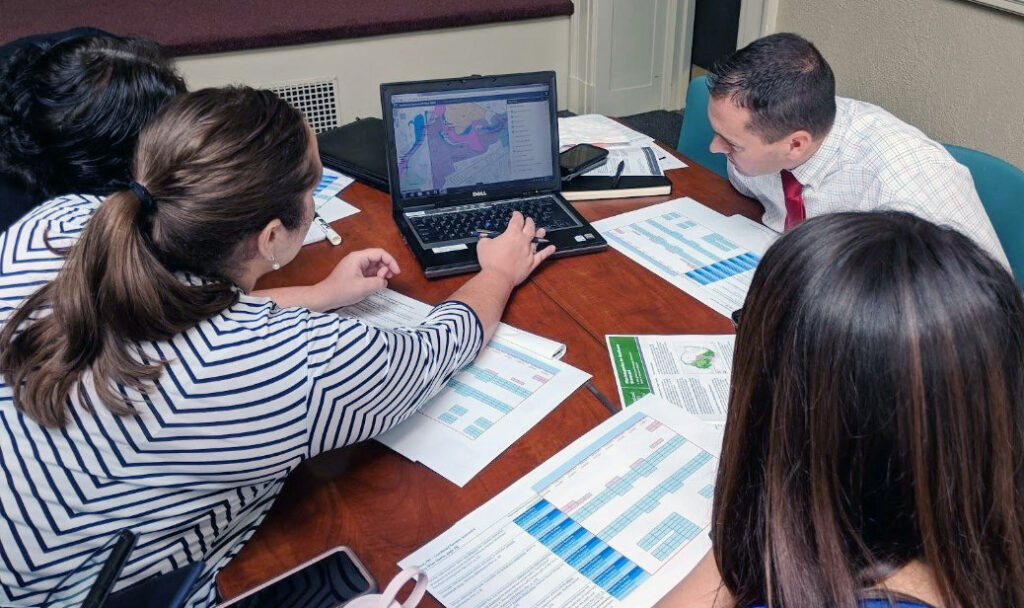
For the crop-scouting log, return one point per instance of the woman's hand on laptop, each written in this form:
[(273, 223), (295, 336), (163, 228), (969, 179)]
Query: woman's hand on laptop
[(513, 255)]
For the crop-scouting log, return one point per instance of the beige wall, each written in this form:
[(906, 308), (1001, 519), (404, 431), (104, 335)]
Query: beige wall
[(359, 65), (953, 68)]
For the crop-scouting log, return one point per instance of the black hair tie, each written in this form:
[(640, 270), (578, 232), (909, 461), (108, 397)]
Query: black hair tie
[(144, 196)]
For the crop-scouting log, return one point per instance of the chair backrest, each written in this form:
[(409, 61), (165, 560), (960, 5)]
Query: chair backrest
[(1000, 186), (696, 134)]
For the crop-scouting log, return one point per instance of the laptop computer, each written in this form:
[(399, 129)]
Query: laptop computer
[(464, 153)]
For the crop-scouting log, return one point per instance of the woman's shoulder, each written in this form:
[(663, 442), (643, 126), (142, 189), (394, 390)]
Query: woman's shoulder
[(61, 217), (30, 248)]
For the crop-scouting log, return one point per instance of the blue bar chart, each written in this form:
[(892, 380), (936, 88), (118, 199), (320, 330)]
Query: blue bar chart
[(641, 490), (479, 396), (688, 246), (614, 520)]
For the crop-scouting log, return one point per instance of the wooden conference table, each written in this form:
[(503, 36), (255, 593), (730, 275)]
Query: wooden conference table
[(384, 506)]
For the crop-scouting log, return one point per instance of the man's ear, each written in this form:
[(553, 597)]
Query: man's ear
[(800, 146), (267, 239)]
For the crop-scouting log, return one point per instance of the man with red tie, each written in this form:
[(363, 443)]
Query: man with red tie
[(802, 151)]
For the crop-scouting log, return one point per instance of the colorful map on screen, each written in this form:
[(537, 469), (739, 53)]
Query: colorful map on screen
[(447, 146)]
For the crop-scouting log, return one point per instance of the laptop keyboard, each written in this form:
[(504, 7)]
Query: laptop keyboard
[(453, 224)]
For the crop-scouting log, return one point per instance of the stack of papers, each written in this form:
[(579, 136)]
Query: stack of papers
[(622, 143), (617, 518), (690, 371), (327, 204), (706, 254), (515, 381), (598, 130)]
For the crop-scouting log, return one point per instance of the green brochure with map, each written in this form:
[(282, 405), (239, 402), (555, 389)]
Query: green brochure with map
[(690, 371)]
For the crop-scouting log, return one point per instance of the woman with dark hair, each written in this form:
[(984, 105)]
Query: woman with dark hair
[(874, 448), (71, 107), (146, 386)]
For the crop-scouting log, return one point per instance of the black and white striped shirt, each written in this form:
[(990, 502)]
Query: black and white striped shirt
[(244, 398)]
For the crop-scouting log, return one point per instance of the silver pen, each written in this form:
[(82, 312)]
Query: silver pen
[(332, 236)]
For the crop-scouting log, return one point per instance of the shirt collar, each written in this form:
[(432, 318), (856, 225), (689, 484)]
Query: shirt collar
[(815, 169), (196, 280)]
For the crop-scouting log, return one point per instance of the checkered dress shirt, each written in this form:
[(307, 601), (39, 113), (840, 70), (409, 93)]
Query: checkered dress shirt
[(871, 160)]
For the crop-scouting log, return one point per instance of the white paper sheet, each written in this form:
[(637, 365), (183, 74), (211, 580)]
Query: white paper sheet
[(666, 159), (635, 161), (331, 183), (704, 253), (616, 519), (327, 204), (331, 210), (599, 130), (689, 371), (485, 407)]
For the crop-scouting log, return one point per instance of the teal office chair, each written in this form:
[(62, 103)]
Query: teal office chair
[(695, 134), (1001, 189)]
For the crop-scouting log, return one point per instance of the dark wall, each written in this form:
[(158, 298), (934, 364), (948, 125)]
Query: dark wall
[(715, 25)]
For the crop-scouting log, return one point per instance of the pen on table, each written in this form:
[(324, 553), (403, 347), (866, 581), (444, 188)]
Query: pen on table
[(618, 174), (490, 234), (332, 236), (600, 397)]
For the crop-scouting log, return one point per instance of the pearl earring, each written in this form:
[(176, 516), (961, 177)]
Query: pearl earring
[(274, 264)]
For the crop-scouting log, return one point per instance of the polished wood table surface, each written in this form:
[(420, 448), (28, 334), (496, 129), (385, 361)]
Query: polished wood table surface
[(384, 506)]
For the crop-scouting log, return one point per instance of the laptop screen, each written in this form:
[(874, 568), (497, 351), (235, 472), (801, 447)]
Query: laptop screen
[(447, 142)]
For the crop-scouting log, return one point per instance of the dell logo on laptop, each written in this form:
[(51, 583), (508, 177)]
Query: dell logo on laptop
[(479, 193)]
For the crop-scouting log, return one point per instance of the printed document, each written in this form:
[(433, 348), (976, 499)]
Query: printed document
[(706, 254), (327, 204), (635, 161), (514, 382), (616, 519), (688, 371)]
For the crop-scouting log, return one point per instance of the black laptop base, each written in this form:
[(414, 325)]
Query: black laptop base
[(439, 265), (577, 240)]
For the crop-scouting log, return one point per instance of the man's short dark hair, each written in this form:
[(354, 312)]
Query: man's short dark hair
[(785, 83)]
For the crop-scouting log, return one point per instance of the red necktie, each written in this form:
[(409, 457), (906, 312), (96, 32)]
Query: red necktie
[(795, 212)]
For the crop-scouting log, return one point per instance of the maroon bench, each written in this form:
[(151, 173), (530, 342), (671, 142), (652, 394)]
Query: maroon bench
[(190, 27)]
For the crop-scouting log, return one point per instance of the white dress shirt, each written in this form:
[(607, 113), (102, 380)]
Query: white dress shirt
[(872, 161)]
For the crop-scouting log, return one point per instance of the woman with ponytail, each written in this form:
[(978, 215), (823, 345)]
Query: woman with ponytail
[(71, 107), (874, 448), (147, 386)]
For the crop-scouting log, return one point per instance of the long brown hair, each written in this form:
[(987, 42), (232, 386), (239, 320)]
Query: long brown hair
[(220, 165), (876, 417)]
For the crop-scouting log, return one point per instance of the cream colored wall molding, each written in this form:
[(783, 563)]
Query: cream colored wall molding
[(1011, 6)]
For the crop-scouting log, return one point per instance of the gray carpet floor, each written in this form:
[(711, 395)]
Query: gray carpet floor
[(662, 125)]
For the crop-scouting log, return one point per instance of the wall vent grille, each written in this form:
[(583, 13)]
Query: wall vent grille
[(316, 99)]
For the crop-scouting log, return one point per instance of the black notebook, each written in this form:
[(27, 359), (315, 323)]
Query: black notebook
[(591, 187), (357, 150)]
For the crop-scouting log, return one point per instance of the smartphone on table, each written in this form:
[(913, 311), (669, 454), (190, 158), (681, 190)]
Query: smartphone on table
[(329, 580), (579, 159)]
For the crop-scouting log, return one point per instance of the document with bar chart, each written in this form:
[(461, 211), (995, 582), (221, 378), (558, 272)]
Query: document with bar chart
[(486, 406), (616, 519), (693, 247)]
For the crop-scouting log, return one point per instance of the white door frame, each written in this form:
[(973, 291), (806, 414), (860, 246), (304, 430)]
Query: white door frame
[(757, 18), (583, 55)]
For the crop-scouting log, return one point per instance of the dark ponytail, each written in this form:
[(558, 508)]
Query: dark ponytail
[(219, 164)]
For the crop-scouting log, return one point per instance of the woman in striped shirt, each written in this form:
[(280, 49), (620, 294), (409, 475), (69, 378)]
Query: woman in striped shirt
[(147, 386)]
